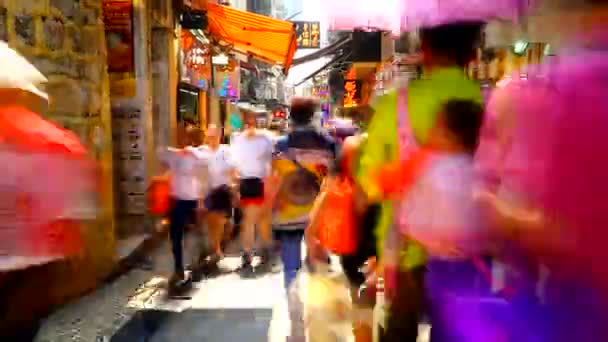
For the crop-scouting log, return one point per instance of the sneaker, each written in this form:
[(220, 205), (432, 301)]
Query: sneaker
[(268, 261), (247, 270), (177, 277)]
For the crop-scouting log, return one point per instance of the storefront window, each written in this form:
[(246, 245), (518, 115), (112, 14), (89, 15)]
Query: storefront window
[(188, 105)]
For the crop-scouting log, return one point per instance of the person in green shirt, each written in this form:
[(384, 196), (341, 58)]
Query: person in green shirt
[(446, 49)]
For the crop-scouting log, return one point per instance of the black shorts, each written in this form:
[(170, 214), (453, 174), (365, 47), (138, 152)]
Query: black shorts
[(252, 191), (220, 200)]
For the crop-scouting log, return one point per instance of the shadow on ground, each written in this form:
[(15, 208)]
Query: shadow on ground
[(197, 325)]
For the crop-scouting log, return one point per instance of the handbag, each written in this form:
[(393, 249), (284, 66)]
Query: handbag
[(337, 230), (158, 196)]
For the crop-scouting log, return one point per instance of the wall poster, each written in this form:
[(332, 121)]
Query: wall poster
[(118, 22), (308, 34)]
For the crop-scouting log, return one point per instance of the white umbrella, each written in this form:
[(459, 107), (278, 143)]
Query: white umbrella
[(16, 72)]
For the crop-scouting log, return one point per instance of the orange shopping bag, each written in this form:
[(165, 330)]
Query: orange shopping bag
[(158, 196), (337, 229)]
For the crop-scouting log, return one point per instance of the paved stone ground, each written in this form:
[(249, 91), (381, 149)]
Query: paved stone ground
[(135, 307)]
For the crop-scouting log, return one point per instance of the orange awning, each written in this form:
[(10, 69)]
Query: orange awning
[(265, 38)]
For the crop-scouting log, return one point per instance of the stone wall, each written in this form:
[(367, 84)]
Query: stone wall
[(65, 40)]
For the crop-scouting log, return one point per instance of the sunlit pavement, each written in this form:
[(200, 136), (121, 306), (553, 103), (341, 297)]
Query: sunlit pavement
[(136, 308)]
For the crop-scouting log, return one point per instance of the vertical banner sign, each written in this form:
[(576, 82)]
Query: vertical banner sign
[(352, 93), (118, 22), (308, 34)]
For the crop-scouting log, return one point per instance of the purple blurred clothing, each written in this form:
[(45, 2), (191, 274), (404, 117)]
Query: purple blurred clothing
[(553, 158)]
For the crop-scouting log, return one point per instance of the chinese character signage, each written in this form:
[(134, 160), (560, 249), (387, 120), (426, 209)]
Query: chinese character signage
[(117, 18), (195, 62), (308, 34), (352, 93)]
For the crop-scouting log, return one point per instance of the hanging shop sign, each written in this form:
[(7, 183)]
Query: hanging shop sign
[(228, 80), (308, 34), (197, 69), (352, 93), (118, 22), (195, 61)]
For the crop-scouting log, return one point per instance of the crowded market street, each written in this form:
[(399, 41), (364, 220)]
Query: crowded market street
[(303, 170)]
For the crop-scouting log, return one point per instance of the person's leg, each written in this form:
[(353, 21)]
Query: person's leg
[(248, 233), (291, 254), (406, 308), (267, 250), (178, 217), (216, 221)]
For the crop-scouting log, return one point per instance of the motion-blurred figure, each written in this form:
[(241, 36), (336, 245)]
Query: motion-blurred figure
[(251, 152), (551, 179), (401, 123), (39, 216), (219, 200), (187, 167)]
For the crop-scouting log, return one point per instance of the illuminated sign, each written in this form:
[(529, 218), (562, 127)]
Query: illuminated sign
[(352, 93), (308, 34)]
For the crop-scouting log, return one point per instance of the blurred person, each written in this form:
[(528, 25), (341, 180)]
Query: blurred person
[(219, 200), (303, 158), (401, 124), (251, 151), (187, 169), (441, 214), (550, 199), (366, 216)]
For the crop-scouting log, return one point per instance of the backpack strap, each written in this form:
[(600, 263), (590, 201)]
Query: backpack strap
[(405, 134), (407, 145)]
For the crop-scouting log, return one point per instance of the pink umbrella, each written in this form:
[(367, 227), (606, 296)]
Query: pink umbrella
[(399, 15), (438, 12), (349, 14)]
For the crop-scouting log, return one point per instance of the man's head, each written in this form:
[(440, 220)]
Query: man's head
[(452, 44), (302, 110), (213, 135), (188, 135), (250, 119), (458, 127)]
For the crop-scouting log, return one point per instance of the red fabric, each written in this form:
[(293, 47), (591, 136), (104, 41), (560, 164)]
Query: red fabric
[(253, 201), (47, 174), (29, 131), (337, 221)]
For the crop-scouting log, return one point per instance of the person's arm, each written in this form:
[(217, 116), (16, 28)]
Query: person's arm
[(166, 156)]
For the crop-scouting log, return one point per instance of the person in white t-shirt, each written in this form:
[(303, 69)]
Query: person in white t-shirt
[(252, 157), (187, 167), (221, 174)]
